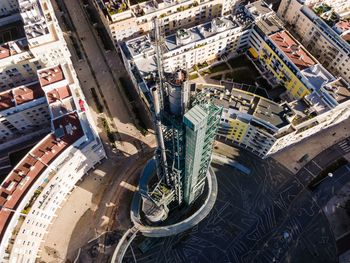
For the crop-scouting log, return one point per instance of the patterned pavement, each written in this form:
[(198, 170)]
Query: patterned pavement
[(266, 216)]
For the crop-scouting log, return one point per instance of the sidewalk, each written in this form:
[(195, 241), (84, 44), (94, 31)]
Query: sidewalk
[(100, 70), (312, 145)]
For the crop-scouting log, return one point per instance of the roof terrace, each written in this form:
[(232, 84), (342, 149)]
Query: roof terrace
[(200, 32), (269, 24), (266, 110), (343, 25), (68, 128), (114, 7), (13, 48), (293, 50), (20, 95), (258, 8), (339, 89), (50, 75), (58, 94), (317, 75)]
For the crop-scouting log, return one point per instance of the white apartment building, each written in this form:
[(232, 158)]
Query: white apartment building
[(265, 127), (33, 191), (38, 43), (40, 183), (24, 114), (125, 20), (320, 39), (186, 48), (317, 98)]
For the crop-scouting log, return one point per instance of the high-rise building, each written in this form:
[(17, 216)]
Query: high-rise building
[(186, 125), (201, 123), (313, 98)]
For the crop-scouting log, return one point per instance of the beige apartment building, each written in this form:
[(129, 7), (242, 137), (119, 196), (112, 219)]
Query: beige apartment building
[(321, 40), (125, 20), (35, 41)]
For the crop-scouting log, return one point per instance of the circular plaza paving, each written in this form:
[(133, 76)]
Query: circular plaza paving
[(262, 214)]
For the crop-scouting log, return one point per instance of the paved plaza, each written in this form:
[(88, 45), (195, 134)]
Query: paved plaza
[(266, 215)]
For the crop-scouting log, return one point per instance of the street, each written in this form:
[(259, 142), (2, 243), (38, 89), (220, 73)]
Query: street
[(101, 70), (94, 206)]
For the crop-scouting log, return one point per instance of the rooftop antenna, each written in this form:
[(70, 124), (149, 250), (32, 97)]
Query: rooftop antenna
[(159, 59), (158, 102)]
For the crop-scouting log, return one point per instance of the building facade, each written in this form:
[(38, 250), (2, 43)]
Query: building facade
[(228, 35), (124, 20), (37, 43), (40, 95), (23, 114), (39, 184), (314, 98), (319, 38), (8, 7)]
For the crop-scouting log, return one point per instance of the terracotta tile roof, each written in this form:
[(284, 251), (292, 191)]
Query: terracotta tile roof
[(4, 51), (51, 75), (20, 95), (344, 25), (24, 175), (24, 94), (58, 94), (293, 50), (6, 100)]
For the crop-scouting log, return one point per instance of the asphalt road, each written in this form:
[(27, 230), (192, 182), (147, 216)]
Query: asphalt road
[(314, 167)]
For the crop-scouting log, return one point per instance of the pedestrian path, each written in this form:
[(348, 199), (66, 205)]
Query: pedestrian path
[(345, 145)]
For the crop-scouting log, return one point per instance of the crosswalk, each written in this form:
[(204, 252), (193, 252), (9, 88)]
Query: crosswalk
[(345, 145)]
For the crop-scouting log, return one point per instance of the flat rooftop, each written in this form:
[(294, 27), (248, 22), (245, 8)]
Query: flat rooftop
[(26, 173), (20, 95), (139, 46), (60, 101), (317, 75), (258, 8), (270, 24), (187, 36), (195, 116), (339, 90), (33, 17), (249, 103), (50, 75), (293, 50)]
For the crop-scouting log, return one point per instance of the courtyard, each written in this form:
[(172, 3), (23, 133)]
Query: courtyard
[(237, 71)]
